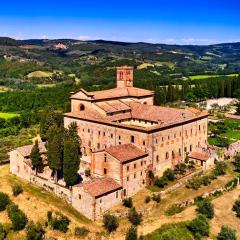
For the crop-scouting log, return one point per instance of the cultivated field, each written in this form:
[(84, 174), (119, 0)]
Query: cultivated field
[(8, 115)]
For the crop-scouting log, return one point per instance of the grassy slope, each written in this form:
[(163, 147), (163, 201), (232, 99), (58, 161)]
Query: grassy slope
[(39, 74), (35, 202)]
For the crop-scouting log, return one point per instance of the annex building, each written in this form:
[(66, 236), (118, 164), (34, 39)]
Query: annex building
[(124, 136)]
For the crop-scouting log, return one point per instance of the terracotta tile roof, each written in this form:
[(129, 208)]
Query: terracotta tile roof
[(117, 92), (100, 186), (163, 115), (232, 116), (113, 106), (199, 156), (26, 150), (125, 152)]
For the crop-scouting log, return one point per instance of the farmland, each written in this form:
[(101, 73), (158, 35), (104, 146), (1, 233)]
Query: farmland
[(8, 115)]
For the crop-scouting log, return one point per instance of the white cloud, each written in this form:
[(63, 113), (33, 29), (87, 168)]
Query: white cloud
[(84, 37)]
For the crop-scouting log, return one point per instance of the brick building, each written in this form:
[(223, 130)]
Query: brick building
[(124, 136)]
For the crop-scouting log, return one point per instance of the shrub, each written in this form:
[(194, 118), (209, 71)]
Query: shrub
[(49, 216), (110, 222), (180, 168), (174, 209), (127, 202), (34, 231), (236, 207), (227, 233), (237, 162), (81, 231), (132, 233), (220, 168), (2, 232), (169, 175), (58, 221), (160, 182), (199, 226), (206, 208), (194, 183), (4, 201), (88, 172), (17, 217), (147, 199), (232, 184), (134, 217), (156, 198), (17, 189)]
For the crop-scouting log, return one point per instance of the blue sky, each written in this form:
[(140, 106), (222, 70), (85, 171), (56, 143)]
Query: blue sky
[(162, 21)]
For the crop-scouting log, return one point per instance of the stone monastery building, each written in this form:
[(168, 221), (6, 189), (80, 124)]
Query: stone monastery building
[(124, 136)]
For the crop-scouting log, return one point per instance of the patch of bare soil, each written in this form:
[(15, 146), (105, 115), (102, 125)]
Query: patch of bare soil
[(223, 212)]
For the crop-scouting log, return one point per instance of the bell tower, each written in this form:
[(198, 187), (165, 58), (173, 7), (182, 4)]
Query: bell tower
[(124, 77)]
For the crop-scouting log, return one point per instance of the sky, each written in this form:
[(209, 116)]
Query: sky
[(157, 21)]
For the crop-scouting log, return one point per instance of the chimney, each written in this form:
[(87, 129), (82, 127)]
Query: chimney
[(124, 77)]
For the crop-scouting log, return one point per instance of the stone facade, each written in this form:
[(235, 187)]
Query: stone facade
[(123, 137)]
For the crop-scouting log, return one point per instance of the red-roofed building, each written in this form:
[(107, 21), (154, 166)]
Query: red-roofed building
[(124, 137)]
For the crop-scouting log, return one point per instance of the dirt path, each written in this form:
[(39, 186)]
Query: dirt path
[(223, 212)]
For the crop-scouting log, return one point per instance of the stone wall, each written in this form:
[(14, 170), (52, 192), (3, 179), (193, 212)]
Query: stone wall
[(58, 190)]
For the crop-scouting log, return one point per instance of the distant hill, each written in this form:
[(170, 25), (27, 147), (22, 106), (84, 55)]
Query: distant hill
[(94, 60)]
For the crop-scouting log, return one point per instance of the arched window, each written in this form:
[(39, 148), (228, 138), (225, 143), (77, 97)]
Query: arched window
[(81, 107), (145, 103)]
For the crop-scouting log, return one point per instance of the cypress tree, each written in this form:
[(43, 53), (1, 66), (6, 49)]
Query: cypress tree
[(55, 149), (71, 157), (35, 156)]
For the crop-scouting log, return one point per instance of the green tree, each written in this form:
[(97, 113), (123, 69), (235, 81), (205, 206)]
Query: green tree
[(206, 208), (2, 232), (49, 117), (4, 201), (110, 222), (35, 157), (227, 233), (34, 231), (72, 154), (237, 162), (17, 217), (55, 149), (134, 217), (220, 168), (132, 233), (169, 175), (199, 226), (236, 207)]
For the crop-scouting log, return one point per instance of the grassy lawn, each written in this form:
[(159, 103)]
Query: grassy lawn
[(196, 77), (176, 231), (8, 115), (46, 85), (39, 74), (215, 141), (233, 134)]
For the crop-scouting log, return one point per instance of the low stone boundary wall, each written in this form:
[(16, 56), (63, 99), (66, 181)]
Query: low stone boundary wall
[(3, 162), (60, 191), (228, 187)]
